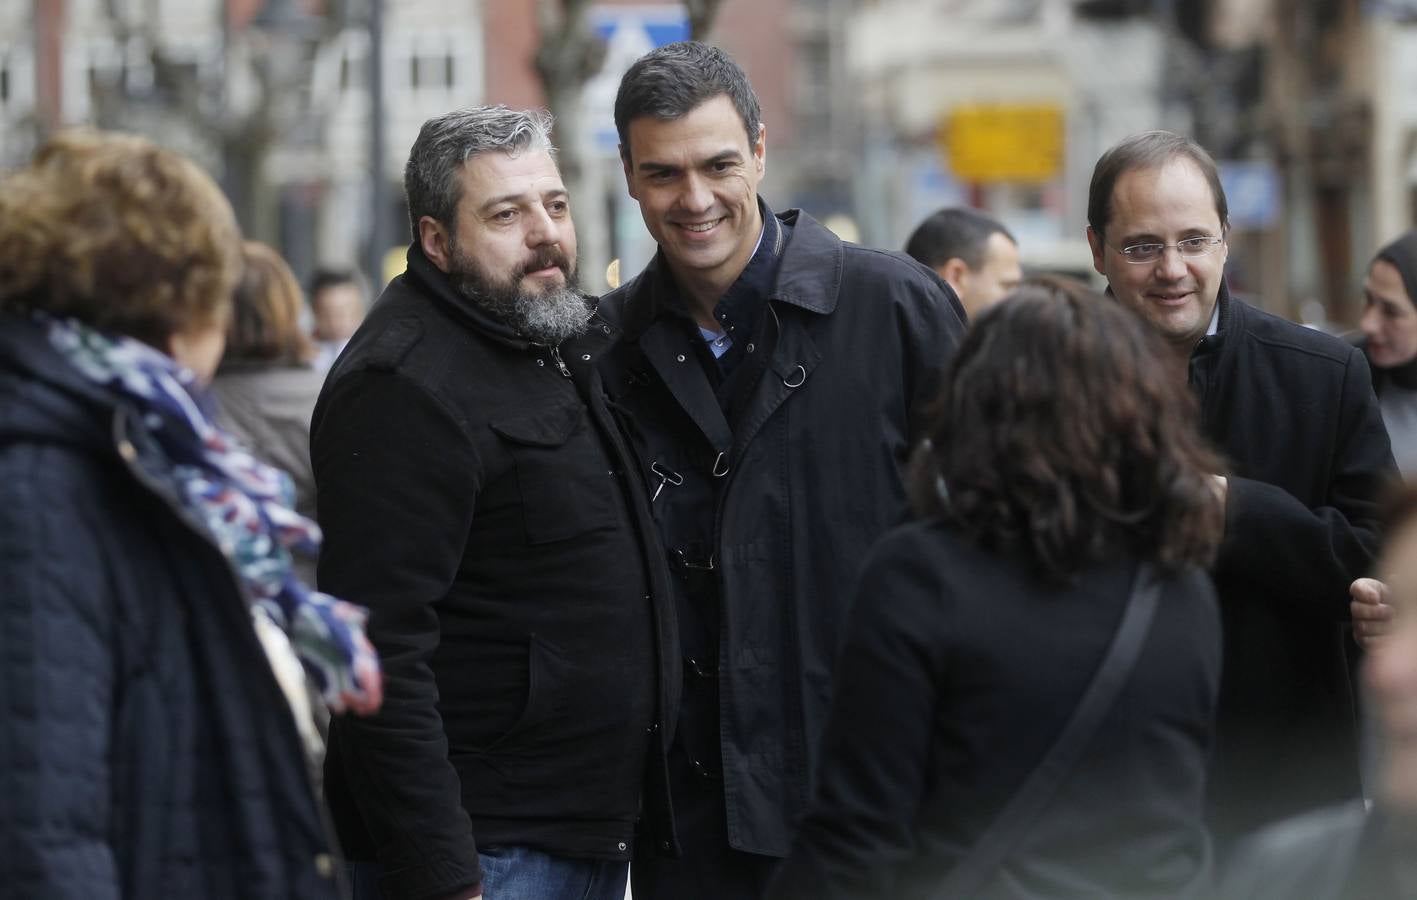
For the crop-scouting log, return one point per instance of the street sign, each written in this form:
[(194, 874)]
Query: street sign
[(1004, 142), (629, 33), (1252, 193)]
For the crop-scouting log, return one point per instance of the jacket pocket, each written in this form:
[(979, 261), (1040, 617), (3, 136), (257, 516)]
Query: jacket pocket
[(544, 684), (562, 473)]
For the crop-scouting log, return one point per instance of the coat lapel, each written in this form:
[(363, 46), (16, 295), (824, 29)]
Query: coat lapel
[(794, 356), (668, 351)]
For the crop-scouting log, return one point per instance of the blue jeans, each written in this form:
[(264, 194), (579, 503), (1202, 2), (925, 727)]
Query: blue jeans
[(520, 873)]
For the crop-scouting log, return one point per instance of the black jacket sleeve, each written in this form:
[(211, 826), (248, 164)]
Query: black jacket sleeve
[(57, 684), (1312, 555), (397, 481), (877, 744)]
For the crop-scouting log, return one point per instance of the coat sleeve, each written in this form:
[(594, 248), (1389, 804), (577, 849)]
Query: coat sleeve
[(1276, 543), (397, 481), (877, 743), (56, 694)]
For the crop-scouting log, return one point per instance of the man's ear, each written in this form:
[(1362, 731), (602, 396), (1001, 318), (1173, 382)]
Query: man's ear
[(433, 239), (955, 271), (760, 149), (1094, 240)]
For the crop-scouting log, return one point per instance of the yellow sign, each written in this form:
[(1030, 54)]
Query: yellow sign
[(1005, 142)]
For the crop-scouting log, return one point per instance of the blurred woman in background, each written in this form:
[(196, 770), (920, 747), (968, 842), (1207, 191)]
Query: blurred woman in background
[(148, 747), (1063, 473), (1389, 327), (265, 386)]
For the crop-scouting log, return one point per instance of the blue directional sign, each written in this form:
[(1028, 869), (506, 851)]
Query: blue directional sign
[(629, 33), (1253, 193)]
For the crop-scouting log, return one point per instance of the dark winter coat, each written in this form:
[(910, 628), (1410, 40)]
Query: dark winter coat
[(1293, 411), (146, 749), (960, 670), (789, 489), (476, 496)]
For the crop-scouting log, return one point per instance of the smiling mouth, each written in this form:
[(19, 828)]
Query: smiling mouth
[(698, 227), (1172, 298)]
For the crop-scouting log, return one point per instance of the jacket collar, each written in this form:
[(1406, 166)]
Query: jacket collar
[(426, 279), (808, 276), (62, 404)]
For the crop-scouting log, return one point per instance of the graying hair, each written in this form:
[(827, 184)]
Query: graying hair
[(430, 180)]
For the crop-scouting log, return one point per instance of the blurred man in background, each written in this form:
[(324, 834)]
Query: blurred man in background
[(337, 300), (974, 253)]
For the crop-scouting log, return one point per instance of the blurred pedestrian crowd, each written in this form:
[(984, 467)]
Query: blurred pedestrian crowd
[(790, 568)]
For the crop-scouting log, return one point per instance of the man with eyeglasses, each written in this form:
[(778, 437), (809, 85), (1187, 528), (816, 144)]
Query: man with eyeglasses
[(1294, 413)]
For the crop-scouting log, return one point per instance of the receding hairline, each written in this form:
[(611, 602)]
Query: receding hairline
[(1179, 159)]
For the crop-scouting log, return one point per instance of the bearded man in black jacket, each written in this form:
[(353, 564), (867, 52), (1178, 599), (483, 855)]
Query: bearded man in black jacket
[(474, 494), (1293, 410)]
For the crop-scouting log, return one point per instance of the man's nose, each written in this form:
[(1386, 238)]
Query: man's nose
[(541, 228), (1171, 265), (696, 196)]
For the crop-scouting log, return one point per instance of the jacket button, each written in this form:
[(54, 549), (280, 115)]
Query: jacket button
[(750, 348), (621, 846), (127, 450), (664, 845), (585, 357), (653, 729), (324, 865), (605, 328), (541, 362)]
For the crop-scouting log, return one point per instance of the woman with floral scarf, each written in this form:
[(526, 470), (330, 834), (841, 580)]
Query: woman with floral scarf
[(153, 637)]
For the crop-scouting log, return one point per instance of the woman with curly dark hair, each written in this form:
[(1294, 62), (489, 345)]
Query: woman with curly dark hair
[(1062, 490)]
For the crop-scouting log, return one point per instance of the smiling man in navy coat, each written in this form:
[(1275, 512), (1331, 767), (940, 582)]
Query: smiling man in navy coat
[(772, 379)]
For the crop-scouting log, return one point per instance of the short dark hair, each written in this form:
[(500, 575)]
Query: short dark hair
[(955, 232), (1086, 450), (331, 276), (446, 142), (670, 81), (1148, 150)]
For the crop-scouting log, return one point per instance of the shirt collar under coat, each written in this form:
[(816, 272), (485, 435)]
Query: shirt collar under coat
[(808, 275)]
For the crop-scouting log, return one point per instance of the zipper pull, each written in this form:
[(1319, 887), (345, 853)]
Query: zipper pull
[(560, 363)]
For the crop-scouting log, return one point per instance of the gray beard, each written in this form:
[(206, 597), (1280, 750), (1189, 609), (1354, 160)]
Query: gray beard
[(549, 317)]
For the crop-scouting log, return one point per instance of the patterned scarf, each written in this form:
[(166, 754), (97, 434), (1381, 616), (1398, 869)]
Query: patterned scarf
[(244, 504)]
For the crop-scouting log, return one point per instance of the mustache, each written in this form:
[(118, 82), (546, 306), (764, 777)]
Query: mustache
[(545, 259)]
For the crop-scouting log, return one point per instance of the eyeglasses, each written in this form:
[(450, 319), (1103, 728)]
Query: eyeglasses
[(1190, 248)]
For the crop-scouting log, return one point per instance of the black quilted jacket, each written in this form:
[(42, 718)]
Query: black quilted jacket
[(146, 750)]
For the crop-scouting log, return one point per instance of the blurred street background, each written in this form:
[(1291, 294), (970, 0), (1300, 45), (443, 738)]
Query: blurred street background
[(877, 111)]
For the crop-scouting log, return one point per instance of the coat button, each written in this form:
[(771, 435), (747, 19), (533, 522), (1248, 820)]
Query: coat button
[(680, 357), (750, 348), (541, 362), (324, 865), (605, 328), (664, 845), (653, 729), (585, 357), (621, 845)]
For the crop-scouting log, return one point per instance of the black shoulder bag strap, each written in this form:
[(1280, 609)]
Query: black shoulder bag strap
[(1003, 834)]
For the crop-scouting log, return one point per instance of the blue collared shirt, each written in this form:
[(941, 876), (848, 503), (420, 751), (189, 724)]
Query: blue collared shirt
[(740, 307)]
